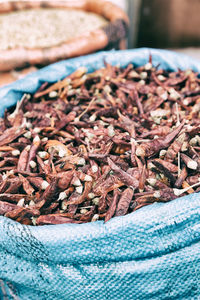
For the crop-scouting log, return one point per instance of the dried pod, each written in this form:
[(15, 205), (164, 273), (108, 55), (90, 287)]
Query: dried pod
[(91, 147)]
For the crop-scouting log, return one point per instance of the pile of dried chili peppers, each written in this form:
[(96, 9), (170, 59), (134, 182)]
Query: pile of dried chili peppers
[(94, 146)]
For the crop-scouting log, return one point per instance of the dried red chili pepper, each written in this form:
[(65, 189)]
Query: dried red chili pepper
[(94, 146), (124, 202), (111, 211)]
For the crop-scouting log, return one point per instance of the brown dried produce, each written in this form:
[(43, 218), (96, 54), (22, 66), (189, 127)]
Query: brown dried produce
[(94, 146)]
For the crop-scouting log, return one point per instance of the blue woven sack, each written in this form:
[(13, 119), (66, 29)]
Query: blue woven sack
[(153, 253)]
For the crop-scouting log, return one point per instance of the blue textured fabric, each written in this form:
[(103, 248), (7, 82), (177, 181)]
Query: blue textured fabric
[(153, 253)]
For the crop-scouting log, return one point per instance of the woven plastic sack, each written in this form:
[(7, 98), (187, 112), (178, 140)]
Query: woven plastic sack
[(153, 253)]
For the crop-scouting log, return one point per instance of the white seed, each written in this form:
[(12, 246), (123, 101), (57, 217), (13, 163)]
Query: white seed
[(46, 162), (84, 77), (159, 113), (96, 92), (188, 127), (23, 124), (34, 220), (150, 166), (164, 95), (161, 77), (96, 200), (94, 169), (151, 181), (87, 140), (36, 139), (157, 194), (95, 127), (36, 129), (77, 182), (133, 141), (107, 89), (7, 174), (184, 147), (192, 164), (90, 135), (27, 114), (32, 164), (143, 75), (28, 125), (27, 134), (70, 90), (45, 139), (53, 94), (140, 151), (15, 152), (81, 161), (158, 177), (101, 122), (178, 192), (83, 211), (111, 131), (185, 101), (64, 205), (157, 120), (88, 178), (48, 115), (95, 218), (148, 66), (195, 141), (62, 196), (4, 176), (162, 176), (76, 119), (62, 152), (93, 118), (133, 74), (174, 94), (79, 189), (43, 154), (142, 82), (21, 202), (44, 185), (162, 153), (91, 195)]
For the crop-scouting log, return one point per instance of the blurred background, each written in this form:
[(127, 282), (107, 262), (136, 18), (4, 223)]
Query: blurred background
[(168, 24), (172, 24)]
